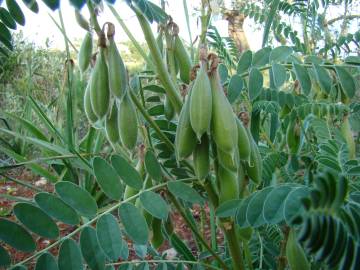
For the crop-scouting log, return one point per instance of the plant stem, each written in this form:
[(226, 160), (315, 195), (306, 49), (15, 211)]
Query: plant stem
[(192, 53), (22, 183), (248, 255), (164, 76), (131, 37), (233, 244), (282, 262), (195, 231)]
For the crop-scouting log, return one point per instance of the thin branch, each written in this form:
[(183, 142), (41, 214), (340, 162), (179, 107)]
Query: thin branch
[(342, 17)]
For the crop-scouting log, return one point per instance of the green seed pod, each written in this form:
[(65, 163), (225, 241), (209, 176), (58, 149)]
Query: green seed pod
[(99, 88), (117, 72), (85, 52), (91, 116), (82, 22), (254, 167), (185, 139), (348, 136), (202, 158), (168, 109), (295, 254), (293, 137), (224, 127), (128, 125), (229, 186), (157, 237), (228, 160), (183, 58), (111, 125), (244, 145), (201, 103)]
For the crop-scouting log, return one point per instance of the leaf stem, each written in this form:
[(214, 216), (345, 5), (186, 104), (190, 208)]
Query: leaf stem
[(195, 231)]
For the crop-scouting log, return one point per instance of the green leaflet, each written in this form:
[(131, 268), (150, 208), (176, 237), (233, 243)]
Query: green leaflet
[(90, 249), (134, 223), (323, 78), (56, 208), (70, 256), (270, 17), (46, 262), (255, 83), (107, 178), (261, 57), (126, 172), (244, 62), (15, 11), (152, 166), (303, 77), (7, 19), (346, 80), (184, 192), (109, 236), (36, 220), (279, 74), (16, 236), (5, 259), (235, 86), (154, 204), (77, 198), (280, 54)]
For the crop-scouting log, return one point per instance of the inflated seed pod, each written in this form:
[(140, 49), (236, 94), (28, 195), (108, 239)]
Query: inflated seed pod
[(293, 137), (99, 87), (201, 158), (85, 52), (128, 124), (118, 80), (244, 145), (91, 116), (254, 167), (168, 109), (295, 254), (183, 59), (157, 237), (228, 160), (223, 122), (229, 186), (348, 136), (111, 125), (185, 139), (201, 103)]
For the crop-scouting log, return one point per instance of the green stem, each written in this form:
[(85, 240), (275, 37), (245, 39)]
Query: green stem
[(233, 244), (189, 30), (195, 231), (164, 76), (131, 37), (22, 183), (247, 253), (63, 32), (93, 18)]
